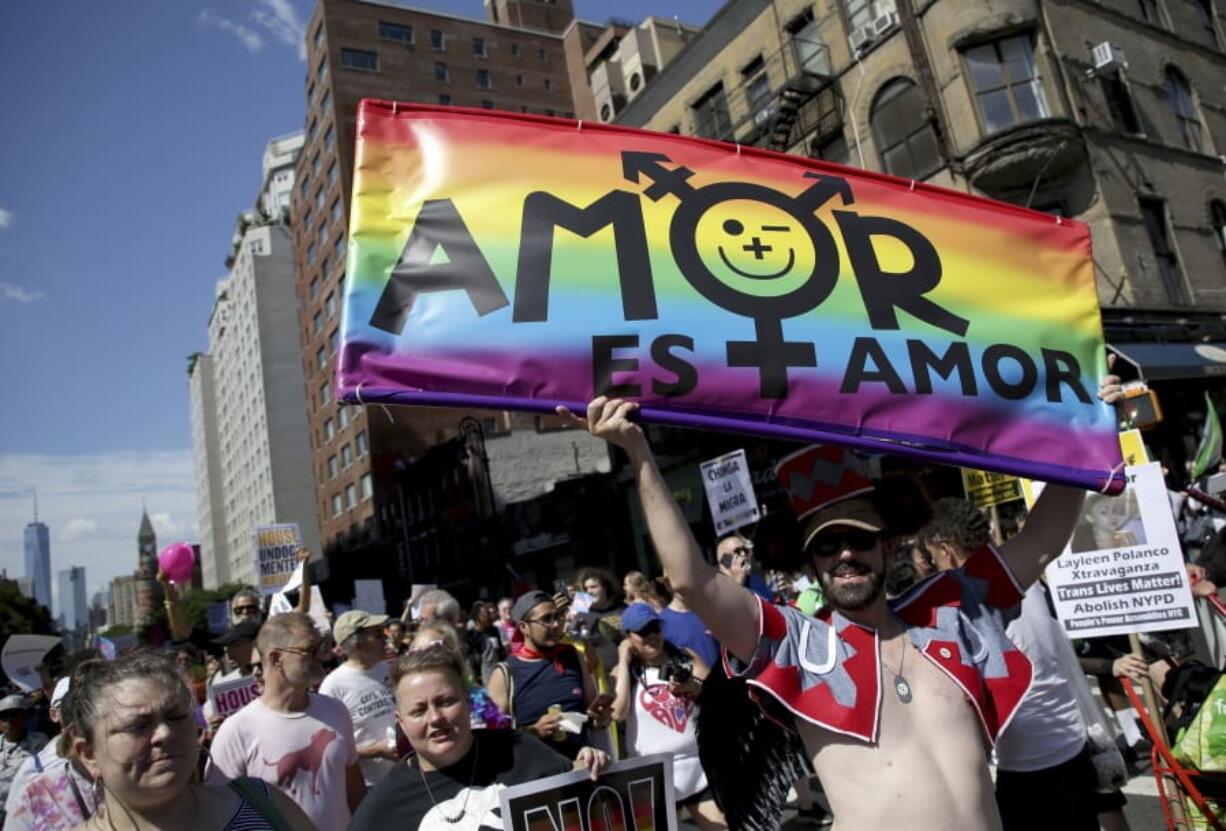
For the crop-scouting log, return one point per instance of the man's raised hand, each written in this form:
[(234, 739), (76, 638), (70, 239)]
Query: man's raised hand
[(611, 419)]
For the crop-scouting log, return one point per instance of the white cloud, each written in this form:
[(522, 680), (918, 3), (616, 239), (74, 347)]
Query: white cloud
[(78, 528), (281, 19), (103, 490), (6, 218), (8, 291), (247, 37)]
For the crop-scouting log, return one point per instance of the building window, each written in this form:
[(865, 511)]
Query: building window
[(444, 99), (368, 486), (312, 130), (351, 496), (1153, 213), (519, 80), (1204, 13), (549, 84), (332, 174), (334, 340), (1217, 216), (757, 88), (905, 140), (711, 118), (1119, 103), (440, 72), (831, 148), (395, 31), (437, 39), (541, 56), (325, 393), (1150, 12), (487, 104), (340, 249), (811, 53), (337, 506), (333, 469), (483, 79), (315, 288), (316, 164), (304, 188), (317, 323), (360, 441), (325, 267), (325, 101), (321, 357), (323, 233), (346, 457), (479, 48), (360, 59), (1006, 83), (329, 137), (322, 72), (343, 417), (319, 198), (330, 304), (329, 430), (319, 34), (311, 254), (861, 13), (1179, 95), (336, 210), (515, 50)]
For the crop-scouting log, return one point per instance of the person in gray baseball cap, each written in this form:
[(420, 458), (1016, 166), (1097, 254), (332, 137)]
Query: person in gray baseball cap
[(361, 684), (16, 742)]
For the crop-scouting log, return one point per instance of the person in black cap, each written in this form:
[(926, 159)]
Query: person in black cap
[(16, 743), (239, 641), (546, 679)]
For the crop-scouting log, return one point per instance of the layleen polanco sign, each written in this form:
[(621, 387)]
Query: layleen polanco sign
[(508, 261)]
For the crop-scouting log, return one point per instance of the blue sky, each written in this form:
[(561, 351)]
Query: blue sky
[(131, 139)]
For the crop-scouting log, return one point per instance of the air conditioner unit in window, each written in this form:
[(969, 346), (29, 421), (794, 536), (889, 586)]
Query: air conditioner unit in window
[(860, 38), (884, 23), (1108, 57)]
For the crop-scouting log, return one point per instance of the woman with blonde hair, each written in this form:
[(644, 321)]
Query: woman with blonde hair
[(638, 589)]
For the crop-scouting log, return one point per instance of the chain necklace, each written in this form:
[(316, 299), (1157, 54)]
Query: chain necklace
[(468, 791), (902, 688)]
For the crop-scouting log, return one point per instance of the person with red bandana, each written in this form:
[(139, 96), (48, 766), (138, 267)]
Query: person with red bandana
[(896, 703), (545, 685)]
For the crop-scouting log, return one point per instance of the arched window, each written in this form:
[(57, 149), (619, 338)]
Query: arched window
[(1217, 217), (1179, 95), (903, 132)]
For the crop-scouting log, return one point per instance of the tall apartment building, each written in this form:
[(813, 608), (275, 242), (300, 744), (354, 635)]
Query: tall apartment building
[(514, 61), (249, 426), (1109, 111), (74, 611), (37, 548), (206, 454), (123, 602)]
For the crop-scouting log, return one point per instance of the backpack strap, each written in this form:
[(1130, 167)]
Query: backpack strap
[(255, 792), (505, 669)]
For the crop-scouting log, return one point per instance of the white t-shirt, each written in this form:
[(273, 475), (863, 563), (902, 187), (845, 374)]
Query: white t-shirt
[(663, 723), (371, 705), (1047, 728), (304, 754)]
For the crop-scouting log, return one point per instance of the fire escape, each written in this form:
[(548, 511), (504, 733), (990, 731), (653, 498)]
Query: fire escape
[(783, 97)]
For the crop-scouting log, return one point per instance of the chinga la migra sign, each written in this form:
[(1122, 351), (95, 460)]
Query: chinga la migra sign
[(521, 262)]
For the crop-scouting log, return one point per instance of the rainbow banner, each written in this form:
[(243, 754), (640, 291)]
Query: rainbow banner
[(519, 262)]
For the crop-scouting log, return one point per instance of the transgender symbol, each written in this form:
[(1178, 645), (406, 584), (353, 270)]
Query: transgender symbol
[(759, 255)]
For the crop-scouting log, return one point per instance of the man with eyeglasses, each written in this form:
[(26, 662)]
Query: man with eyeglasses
[(545, 686), (895, 703), (361, 684), (734, 557), (291, 738), (239, 641)]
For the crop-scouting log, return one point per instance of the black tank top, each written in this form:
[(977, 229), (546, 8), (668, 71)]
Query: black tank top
[(538, 686)]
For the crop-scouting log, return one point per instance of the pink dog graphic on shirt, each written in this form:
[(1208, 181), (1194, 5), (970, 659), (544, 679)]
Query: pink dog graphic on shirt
[(309, 758)]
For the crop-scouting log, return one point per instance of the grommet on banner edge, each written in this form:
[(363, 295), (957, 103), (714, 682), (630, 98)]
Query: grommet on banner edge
[(579, 125), (738, 148), (912, 185)]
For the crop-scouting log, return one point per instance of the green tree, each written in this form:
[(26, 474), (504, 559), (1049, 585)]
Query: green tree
[(19, 615)]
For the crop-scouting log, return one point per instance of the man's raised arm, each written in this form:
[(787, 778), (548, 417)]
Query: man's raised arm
[(728, 610), (1053, 517)]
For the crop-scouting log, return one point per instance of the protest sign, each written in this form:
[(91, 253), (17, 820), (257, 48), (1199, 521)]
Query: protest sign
[(514, 261), (21, 656), (368, 596), (634, 794), (1123, 570), (730, 492), (1133, 448), (233, 694), (276, 549), (985, 489)]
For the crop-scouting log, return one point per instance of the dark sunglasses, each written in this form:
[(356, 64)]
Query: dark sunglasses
[(246, 610), (828, 545), (648, 630)]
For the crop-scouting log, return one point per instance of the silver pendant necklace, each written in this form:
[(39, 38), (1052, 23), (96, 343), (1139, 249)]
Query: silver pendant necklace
[(902, 688), (467, 791)]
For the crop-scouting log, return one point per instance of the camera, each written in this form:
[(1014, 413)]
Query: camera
[(676, 669)]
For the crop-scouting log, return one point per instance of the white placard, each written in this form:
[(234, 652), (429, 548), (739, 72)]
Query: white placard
[(368, 596), (276, 548), (1123, 570), (21, 656), (234, 694), (730, 492)]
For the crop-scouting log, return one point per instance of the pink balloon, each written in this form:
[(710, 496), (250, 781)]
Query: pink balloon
[(177, 560)]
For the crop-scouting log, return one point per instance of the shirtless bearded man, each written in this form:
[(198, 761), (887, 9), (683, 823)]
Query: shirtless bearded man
[(896, 703)]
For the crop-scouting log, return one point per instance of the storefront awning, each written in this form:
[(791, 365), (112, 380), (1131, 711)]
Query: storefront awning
[(1170, 361)]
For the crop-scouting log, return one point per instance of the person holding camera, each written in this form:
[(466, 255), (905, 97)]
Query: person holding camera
[(657, 688)]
